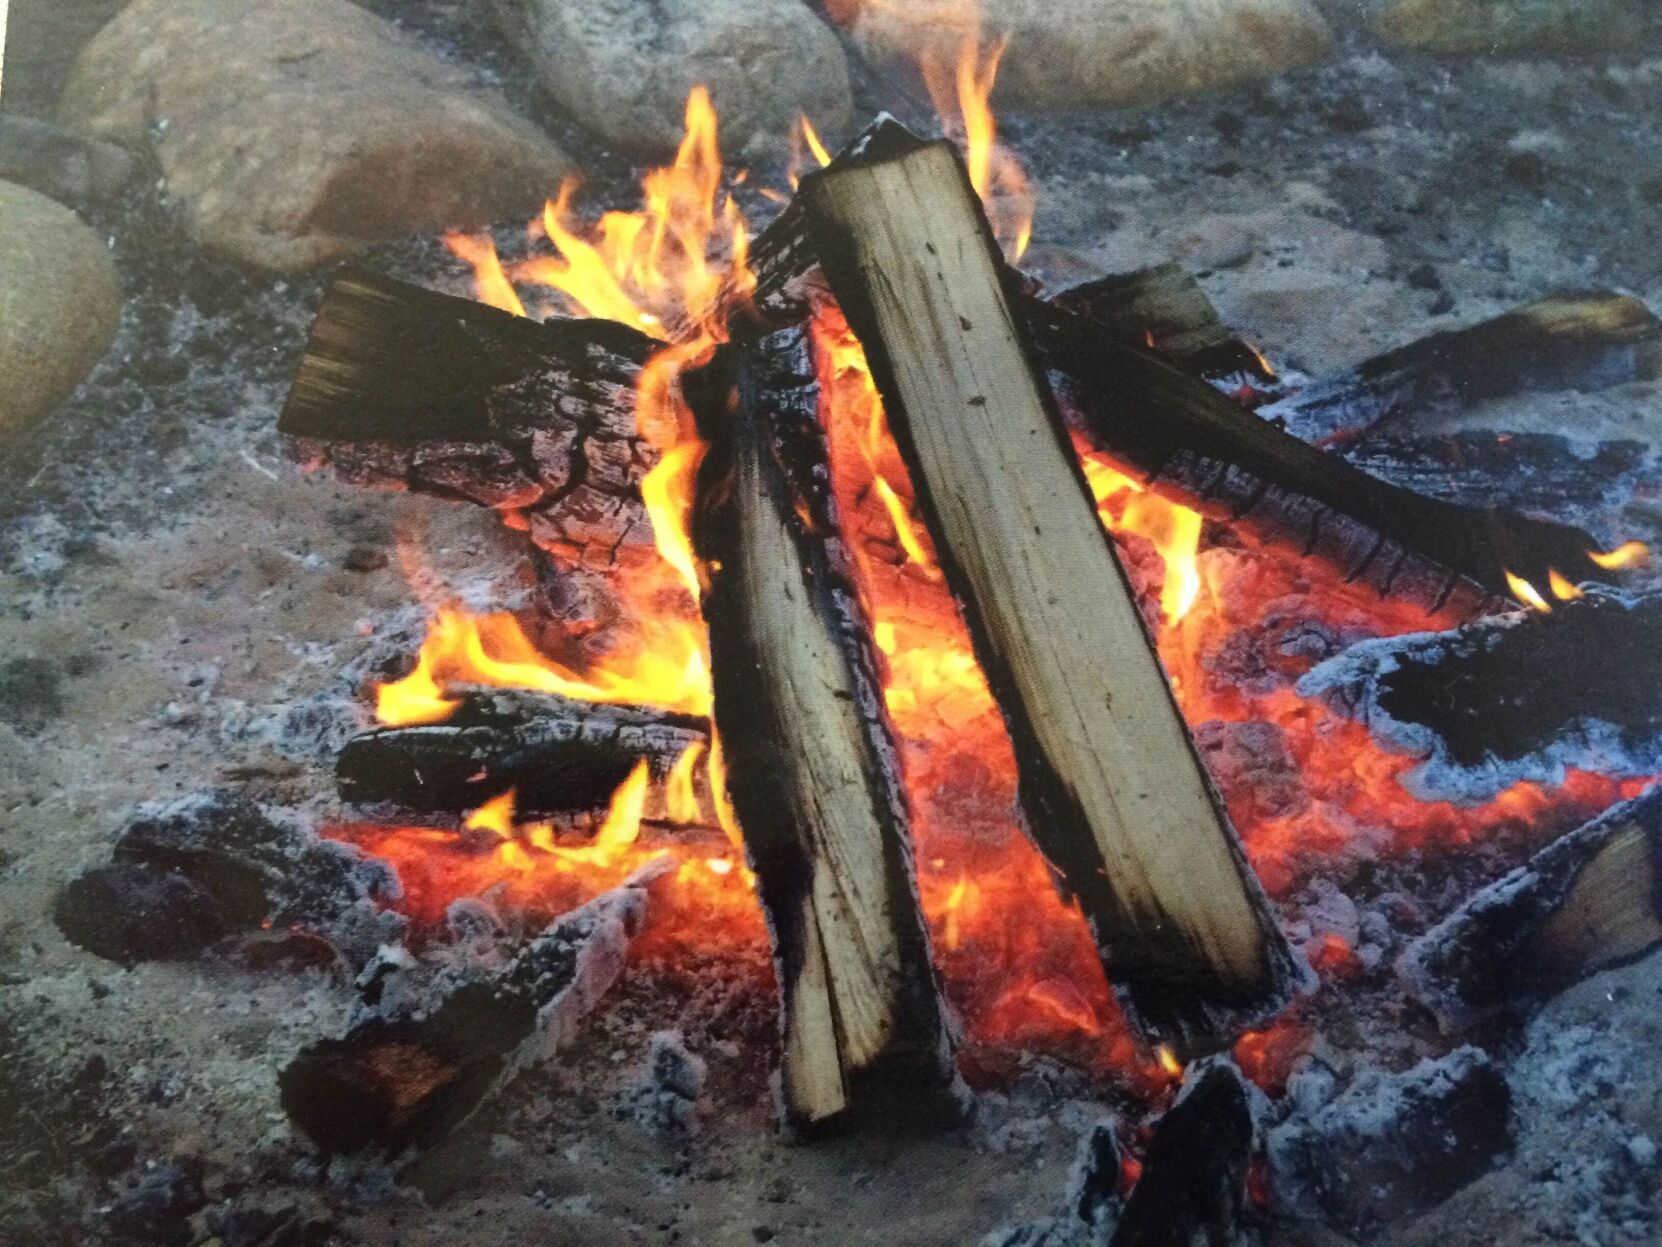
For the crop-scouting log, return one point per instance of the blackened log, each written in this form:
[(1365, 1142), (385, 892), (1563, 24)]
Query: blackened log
[(559, 755), (1191, 444), (1523, 697), (392, 1084), (1539, 472), (812, 771), (1571, 341), (1193, 1186), (1590, 900), (1114, 792), (1164, 308)]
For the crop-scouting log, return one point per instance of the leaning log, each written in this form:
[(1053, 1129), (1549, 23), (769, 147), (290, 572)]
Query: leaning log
[(1590, 900), (1193, 445), (1193, 1185), (393, 1084), (812, 771), (1570, 341), (557, 754), (1113, 789), (1522, 697)]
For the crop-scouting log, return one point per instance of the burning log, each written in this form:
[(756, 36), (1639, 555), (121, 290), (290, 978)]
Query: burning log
[(812, 772), (1517, 698), (558, 754), (1590, 900), (392, 1084), (1114, 792), (1563, 342), (1165, 309), (1192, 444), (1193, 1184)]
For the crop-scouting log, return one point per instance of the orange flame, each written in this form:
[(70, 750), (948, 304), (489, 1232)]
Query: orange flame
[(1562, 588), (680, 793), (1629, 554), (491, 284)]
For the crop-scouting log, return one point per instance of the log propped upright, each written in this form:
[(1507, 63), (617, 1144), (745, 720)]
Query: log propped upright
[(1114, 792), (812, 772)]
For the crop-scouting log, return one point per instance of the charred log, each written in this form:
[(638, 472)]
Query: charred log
[(1518, 698), (1165, 309), (1193, 445), (1564, 342), (1193, 1185), (1590, 900), (812, 771), (392, 1084), (559, 755), (1114, 792)]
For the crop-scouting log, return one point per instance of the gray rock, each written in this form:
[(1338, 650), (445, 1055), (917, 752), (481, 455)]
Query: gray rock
[(60, 302), (1511, 25), (1063, 53), (76, 171), (624, 68), (293, 132)]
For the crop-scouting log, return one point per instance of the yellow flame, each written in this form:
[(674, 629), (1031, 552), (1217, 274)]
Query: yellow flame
[(417, 698), (1123, 502), (496, 815), (1628, 554), (1527, 594), (1169, 1064), (719, 797), (1561, 587), (491, 284), (668, 491), (903, 529), (680, 796)]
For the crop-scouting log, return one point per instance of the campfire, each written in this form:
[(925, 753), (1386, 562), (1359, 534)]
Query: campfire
[(972, 672)]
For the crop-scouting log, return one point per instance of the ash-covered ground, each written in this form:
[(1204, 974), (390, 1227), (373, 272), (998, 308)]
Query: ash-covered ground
[(172, 589)]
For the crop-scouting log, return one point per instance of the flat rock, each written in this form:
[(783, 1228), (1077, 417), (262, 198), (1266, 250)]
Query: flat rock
[(60, 302), (1063, 53), (293, 132), (1511, 25), (624, 68)]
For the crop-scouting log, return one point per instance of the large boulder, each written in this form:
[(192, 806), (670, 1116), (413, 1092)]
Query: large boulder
[(1067, 52), (60, 302), (624, 68), (1511, 25), (292, 132)]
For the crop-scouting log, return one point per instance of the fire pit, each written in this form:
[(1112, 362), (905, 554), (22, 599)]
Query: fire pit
[(819, 693)]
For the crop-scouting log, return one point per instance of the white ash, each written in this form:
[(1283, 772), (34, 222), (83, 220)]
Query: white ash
[(663, 1096)]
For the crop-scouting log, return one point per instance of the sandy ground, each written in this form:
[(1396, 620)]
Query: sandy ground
[(170, 588)]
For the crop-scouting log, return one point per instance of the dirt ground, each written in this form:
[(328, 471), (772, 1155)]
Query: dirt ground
[(171, 588)]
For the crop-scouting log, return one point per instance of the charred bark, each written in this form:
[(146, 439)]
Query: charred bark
[(1520, 698), (1193, 1185), (392, 1084), (1114, 792), (557, 754), (1568, 341), (812, 771), (1589, 900)]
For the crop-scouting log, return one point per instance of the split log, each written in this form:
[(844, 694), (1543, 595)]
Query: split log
[(1567, 341), (1164, 308), (1524, 697), (1590, 900), (1114, 791), (392, 1084), (1191, 444), (1193, 1185), (812, 771), (559, 755)]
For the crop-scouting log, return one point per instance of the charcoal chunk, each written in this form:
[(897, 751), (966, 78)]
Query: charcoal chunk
[(159, 1208), (129, 912), (1394, 1145)]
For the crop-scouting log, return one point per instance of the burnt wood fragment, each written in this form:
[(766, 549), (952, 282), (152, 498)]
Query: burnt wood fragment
[(1113, 791), (812, 770), (1193, 1186), (392, 1084), (558, 754), (1590, 900), (1521, 697), (128, 912), (1570, 341), (1394, 1145)]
